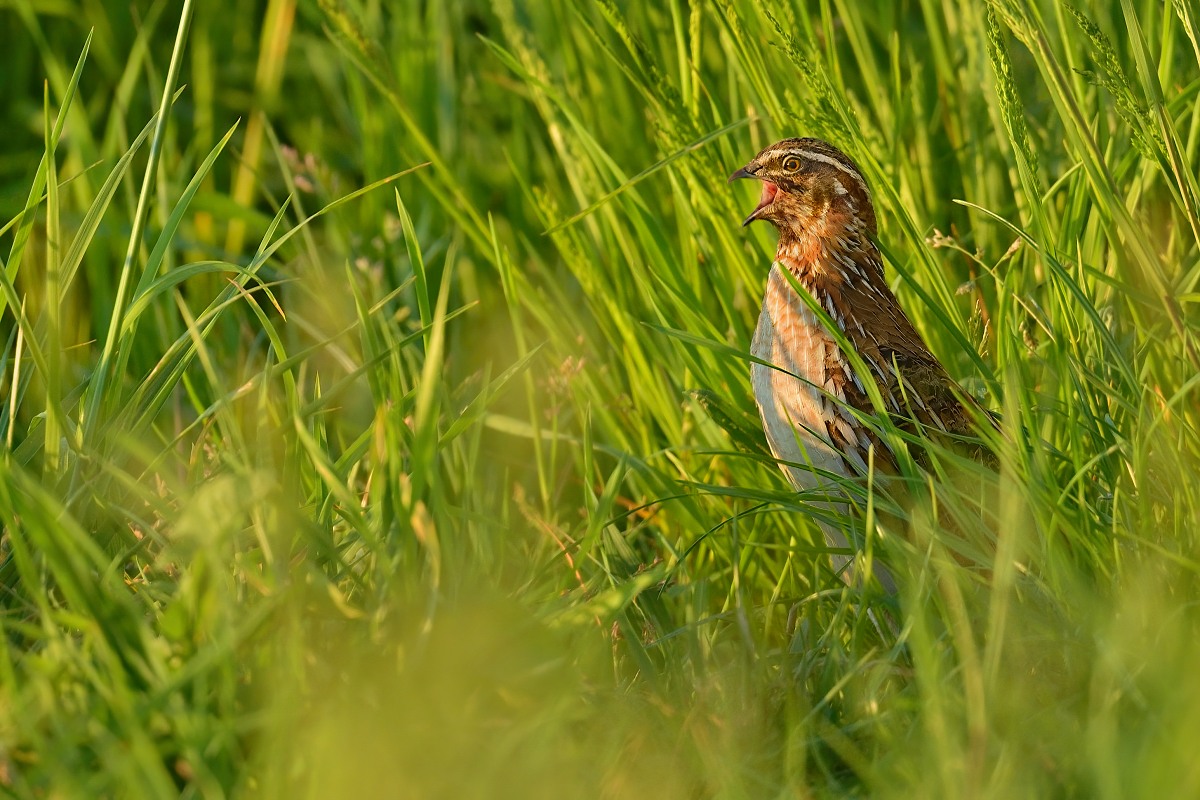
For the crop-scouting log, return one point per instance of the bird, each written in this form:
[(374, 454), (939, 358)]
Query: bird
[(804, 386)]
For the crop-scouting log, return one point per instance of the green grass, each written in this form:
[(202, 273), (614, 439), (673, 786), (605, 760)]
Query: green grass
[(377, 418)]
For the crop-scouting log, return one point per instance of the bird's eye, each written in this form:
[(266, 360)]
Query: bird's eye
[(791, 164)]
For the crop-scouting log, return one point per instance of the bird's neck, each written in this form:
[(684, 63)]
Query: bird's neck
[(803, 254), (820, 247), (832, 254)]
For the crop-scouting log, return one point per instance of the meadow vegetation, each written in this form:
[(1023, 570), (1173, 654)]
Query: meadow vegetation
[(376, 417)]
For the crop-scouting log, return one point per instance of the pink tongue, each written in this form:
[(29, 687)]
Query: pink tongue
[(768, 194), (769, 191)]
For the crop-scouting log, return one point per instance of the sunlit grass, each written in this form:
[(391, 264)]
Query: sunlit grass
[(377, 415)]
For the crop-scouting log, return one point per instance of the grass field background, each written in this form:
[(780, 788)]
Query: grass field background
[(376, 416)]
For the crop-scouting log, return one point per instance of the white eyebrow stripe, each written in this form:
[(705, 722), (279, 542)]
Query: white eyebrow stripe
[(813, 155), (774, 152)]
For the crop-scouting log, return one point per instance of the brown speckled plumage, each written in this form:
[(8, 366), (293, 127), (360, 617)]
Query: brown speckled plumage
[(819, 201)]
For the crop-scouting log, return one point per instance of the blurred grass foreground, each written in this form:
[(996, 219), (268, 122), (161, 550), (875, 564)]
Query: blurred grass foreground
[(376, 417)]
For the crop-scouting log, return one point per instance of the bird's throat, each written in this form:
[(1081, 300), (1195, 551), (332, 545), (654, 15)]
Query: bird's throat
[(803, 255)]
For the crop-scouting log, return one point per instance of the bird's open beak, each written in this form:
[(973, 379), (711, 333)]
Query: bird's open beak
[(769, 191)]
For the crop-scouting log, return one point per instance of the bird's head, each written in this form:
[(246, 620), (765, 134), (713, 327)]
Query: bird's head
[(809, 186)]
